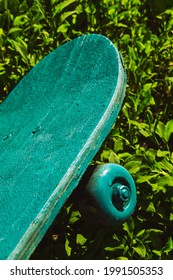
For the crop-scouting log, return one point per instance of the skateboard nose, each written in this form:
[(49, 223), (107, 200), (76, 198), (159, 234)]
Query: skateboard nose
[(120, 192)]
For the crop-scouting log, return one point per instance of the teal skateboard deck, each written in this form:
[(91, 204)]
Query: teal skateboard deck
[(51, 126)]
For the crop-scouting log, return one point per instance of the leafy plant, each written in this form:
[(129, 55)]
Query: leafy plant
[(142, 137)]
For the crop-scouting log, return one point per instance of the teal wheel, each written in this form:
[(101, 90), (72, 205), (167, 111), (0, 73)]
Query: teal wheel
[(110, 195)]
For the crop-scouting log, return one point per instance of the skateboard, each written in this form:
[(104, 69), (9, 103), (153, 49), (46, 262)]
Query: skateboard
[(51, 126)]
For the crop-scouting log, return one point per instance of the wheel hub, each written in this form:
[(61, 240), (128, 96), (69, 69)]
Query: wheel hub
[(121, 192)]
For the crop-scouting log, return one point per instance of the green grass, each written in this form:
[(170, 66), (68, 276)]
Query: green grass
[(142, 137)]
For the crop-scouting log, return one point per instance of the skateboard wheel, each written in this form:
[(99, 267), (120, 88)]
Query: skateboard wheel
[(111, 195)]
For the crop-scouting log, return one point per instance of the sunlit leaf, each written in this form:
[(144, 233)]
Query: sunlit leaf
[(168, 130)]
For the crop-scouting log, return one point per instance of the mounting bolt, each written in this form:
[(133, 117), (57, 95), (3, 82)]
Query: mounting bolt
[(121, 192)]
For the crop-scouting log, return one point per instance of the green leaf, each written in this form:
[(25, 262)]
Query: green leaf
[(166, 180), (74, 217), (63, 28), (151, 208), (113, 158), (169, 246), (158, 253), (121, 25), (14, 30), (118, 145), (65, 15), (20, 47), (145, 178), (147, 87), (113, 249), (40, 8), (67, 247), (148, 47), (168, 130), (141, 233), (140, 249), (2, 70), (80, 239), (1, 32), (165, 165), (62, 6), (170, 79), (129, 227), (20, 20), (105, 154), (155, 230), (157, 187), (126, 38), (151, 155), (133, 166), (140, 46), (126, 109), (143, 128), (171, 217), (122, 258), (162, 153), (160, 129)]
